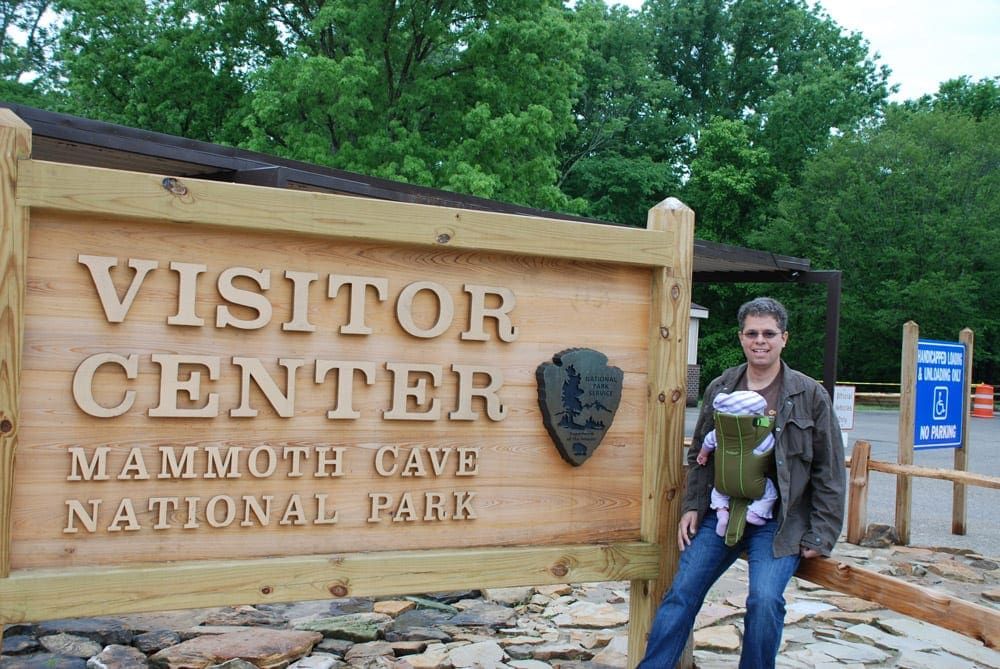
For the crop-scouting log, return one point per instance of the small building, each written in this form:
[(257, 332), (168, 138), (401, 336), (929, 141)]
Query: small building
[(698, 314)]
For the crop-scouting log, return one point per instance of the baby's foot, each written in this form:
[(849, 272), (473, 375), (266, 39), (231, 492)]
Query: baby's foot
[(755, 519), (720, 527)]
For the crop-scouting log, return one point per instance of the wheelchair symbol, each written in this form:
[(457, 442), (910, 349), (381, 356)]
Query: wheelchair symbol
[(940, 408)]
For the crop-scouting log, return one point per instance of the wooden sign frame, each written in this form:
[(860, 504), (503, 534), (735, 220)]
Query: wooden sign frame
[(664, 250)]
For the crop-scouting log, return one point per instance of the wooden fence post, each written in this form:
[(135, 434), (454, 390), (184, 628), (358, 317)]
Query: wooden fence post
[(907, 418), (958, 491), (15, 143), (857, 496), (663, 472)]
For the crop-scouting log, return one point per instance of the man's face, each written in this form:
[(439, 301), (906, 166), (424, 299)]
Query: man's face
[(762, 341)]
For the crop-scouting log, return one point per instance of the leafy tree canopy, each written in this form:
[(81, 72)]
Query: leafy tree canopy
[(764, 116), (907, 209)]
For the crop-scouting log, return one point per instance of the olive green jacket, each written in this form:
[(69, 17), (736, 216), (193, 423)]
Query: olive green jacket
[(808, 456)]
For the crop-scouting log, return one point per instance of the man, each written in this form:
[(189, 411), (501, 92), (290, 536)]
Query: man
[(808, 467)]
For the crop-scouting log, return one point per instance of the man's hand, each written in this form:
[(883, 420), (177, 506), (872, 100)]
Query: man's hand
[(808, 553), (686, 529)]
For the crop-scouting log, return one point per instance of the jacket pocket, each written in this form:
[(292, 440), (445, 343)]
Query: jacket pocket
[(799, 438)]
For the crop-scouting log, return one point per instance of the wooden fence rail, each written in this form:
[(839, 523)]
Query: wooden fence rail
[(931, 606), (860, 464), (925, 604)]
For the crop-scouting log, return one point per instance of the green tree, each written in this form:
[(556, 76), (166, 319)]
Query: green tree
[(766, 84), (467, 95), (621, 159), (907, 210), (663, 88), (169, 66), (732, 181), (24, 46), (978, 100)]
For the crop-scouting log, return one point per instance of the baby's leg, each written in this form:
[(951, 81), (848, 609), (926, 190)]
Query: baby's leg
[(760, 510), (720, 502)]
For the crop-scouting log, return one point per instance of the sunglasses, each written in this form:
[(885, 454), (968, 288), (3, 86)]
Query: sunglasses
[(766, 334)]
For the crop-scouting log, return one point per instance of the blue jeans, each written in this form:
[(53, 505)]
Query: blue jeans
[(701, 564)]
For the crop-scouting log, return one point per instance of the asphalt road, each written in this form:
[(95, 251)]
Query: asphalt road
[(931, 511)]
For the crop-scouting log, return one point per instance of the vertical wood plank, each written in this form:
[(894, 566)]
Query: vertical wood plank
[(857, 496), (663, 475), (15, 144), (907, 420), (958, 491)]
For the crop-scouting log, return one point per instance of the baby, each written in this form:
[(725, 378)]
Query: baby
[(761, 509)]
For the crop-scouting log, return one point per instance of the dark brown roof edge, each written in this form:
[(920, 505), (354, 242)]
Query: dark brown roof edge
[(713, 260)]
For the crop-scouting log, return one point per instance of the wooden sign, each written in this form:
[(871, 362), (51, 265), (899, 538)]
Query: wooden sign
[(215, 393)]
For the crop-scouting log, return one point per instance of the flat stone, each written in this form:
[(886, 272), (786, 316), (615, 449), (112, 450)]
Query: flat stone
[(590, 638), (851, 652), (245, 616), (704, 659), (358, 627), (711, 614), (104, 631), (484, 654), (318, 661), (809, 657), (915, 659), (882, 639), (406, 633), (520, 640), (440, 603), (794, 617), (854, 552), (362, 653), (70, 644), (264, 647), (738, 600), (43, 661), (722, 637), (484, 614), (914, 552), (508, 596), (119, 657), (235, 663), (176, 621), (559, 651), (530, 664), (809, 607), (435, 657), (554, 591), (862, 618), (852, 604), (394, 607), (152, 642), (588, 614), (951, 642), (880, 536), (19, 644), (338, 647), (422, 618), (956, 571), (615, 654)]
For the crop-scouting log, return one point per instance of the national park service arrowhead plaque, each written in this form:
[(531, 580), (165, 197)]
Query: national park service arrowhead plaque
[(578, 393)]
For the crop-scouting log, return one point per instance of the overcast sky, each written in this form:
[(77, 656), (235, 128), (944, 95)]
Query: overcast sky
[(924, 42)]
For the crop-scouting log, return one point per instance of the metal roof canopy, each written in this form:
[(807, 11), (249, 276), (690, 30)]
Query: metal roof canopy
[(76, 140)]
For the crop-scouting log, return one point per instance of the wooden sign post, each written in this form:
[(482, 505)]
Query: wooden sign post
[(216, 394), (933, 413)]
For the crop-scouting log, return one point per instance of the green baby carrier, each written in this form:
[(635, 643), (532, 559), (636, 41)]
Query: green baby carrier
[(739, 472)]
